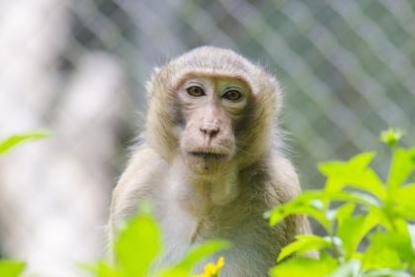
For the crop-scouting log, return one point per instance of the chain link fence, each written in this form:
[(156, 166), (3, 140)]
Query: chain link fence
[(79, 68), (347, 67)]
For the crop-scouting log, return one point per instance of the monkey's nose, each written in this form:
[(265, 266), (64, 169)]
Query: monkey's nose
[(210, 131)]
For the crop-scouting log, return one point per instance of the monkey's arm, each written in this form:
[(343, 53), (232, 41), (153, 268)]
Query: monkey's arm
[(285, 186), (137, 182)]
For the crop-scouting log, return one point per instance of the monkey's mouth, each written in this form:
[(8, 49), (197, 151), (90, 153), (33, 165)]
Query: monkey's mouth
[(208, 155)]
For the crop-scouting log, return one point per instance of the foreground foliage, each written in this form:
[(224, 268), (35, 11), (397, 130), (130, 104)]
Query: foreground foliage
[(11, 268), (12, 141), (367, 220), (368, 225), (138, 245)]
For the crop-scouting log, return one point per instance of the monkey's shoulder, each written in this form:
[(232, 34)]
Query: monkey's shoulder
[(137, 181), (273, 181), (143, 165)]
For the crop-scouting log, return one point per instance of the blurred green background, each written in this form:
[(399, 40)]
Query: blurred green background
[(79, 68)]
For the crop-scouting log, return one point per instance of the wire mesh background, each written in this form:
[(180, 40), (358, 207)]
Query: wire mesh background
[(347, 67)]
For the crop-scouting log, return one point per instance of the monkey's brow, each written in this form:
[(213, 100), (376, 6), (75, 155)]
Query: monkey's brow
[(193, 82), (238, 88)]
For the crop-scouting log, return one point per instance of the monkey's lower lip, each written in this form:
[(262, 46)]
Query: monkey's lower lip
[(208, 155)]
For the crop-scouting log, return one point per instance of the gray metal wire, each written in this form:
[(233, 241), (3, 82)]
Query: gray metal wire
[(347, 67)]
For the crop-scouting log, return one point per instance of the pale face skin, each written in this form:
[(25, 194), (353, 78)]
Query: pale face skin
[(211, 108)]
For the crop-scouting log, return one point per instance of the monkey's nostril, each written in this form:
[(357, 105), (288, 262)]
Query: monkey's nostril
[(211, 132), (214, 132)]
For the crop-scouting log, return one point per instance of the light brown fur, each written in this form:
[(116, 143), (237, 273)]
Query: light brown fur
[(228, 200)]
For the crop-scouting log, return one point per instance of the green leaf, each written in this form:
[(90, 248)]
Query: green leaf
[(358, 162), (10, 142), (405, 202), (101, 269), (388, 250), (194, 256), (308, 203), (199, 252), (303, 266), (138, 245), (345, 211), (352, 229), (356, 197), (353, 173), (402, 165), (11, 268), (381, 257), (303, 244)]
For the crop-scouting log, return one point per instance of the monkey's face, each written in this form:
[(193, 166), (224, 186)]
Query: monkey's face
[(210, 109)]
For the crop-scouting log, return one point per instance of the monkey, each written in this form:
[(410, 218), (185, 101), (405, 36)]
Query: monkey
[(211, 162)]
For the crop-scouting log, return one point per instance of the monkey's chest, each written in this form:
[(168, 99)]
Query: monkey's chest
[(253, 241)]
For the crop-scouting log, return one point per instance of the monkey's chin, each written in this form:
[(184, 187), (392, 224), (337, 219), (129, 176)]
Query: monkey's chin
[(206, 164)]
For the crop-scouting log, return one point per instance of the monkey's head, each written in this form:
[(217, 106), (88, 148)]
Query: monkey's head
[(213, 108)]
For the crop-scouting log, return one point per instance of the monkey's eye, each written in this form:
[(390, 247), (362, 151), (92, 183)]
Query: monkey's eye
[(195, 91), (232, 95)]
